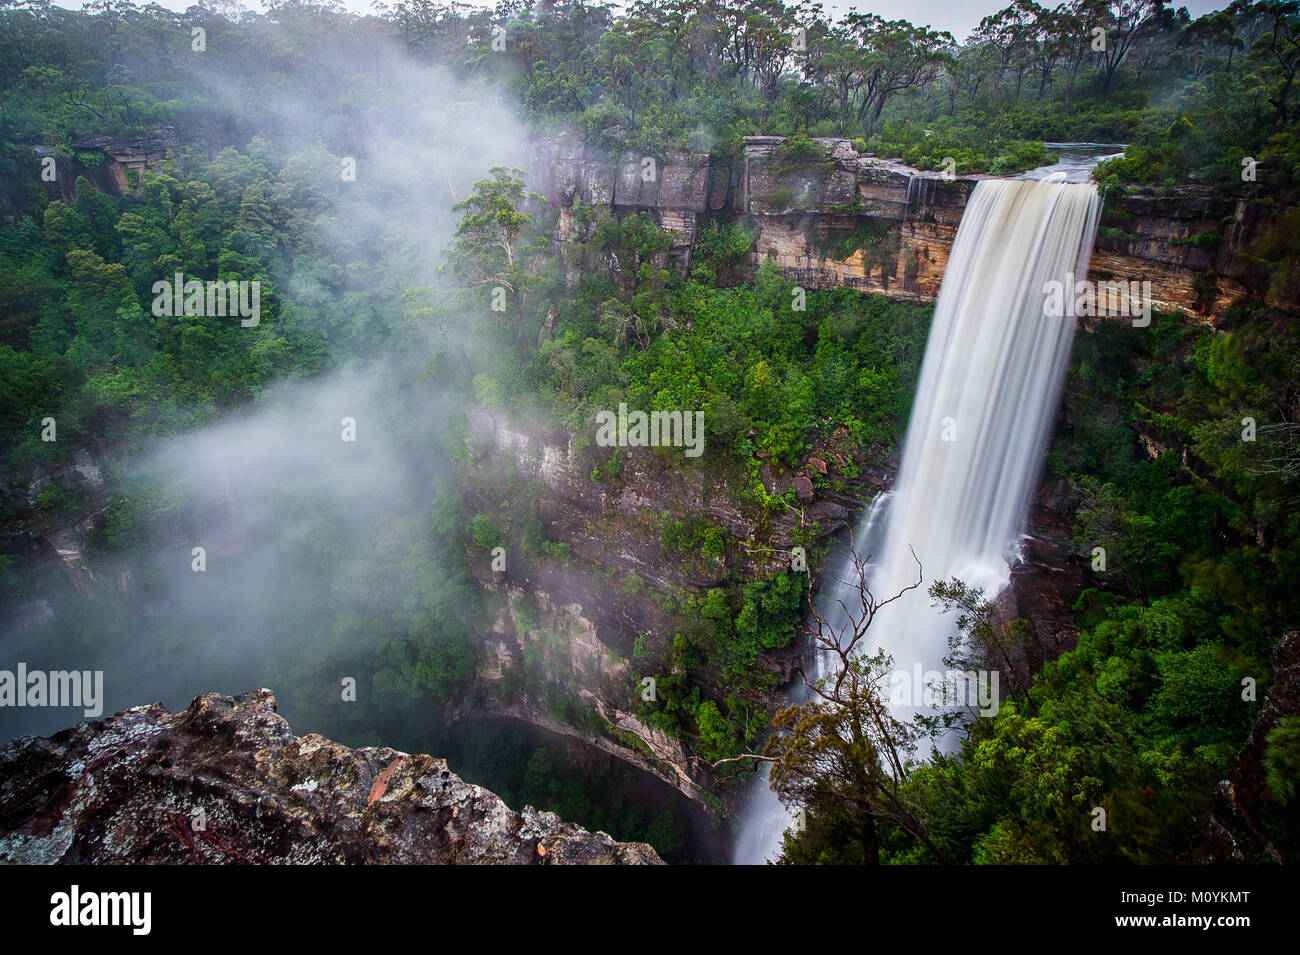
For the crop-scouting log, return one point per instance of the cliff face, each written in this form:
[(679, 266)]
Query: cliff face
[(227, 782), (832, 220), (122, 154), (1188, 242), (580, 616), (1188, 245), (901, 220)]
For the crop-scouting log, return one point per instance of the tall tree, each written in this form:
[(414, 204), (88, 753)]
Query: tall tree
[(1125, 22), (496, 248)]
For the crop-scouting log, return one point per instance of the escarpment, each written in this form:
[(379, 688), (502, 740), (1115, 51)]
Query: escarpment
[(841, 219), (837, 219), (577, 604)]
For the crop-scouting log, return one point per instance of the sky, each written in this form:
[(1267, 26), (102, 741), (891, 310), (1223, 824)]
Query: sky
[(959, 17)]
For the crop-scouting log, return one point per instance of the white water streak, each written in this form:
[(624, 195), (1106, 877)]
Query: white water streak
[(984, 406)]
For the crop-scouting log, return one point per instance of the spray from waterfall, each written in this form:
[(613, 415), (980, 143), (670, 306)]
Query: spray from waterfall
[(984, 405)]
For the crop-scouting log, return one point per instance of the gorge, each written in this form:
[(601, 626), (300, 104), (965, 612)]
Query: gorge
[(908, 223), (691, 431)]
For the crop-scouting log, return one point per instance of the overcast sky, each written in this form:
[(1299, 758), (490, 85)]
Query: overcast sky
[(959, 17)]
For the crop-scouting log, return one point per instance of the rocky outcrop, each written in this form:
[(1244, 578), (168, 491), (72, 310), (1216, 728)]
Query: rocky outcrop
[(226, 781), (845, 219), (121, 155), (1187, 244)]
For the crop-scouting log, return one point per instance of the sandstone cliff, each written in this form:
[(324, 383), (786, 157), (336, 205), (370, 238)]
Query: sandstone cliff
[(124, 157), (1187, 242), (580, 616), (227, 782)]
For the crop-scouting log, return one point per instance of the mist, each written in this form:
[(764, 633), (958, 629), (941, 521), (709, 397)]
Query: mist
[(296, 542)]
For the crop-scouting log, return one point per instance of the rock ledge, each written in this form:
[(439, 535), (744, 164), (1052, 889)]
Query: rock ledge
[(226, 781)]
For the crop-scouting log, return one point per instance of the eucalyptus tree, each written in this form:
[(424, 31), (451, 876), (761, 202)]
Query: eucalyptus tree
[(497, 252), (771, 26), (1012, 34), (1071, 39), (968, 70), (894, 56), (1278, 48), (1045, 53), (834, 66), (1209, 42), (1125, 22)]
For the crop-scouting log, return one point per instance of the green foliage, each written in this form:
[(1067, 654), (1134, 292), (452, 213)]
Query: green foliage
[(741, 356), (694, 535), (974, 147), (877, 239), (1147, 711), (712, 684), (720, 250), (797, 153), (1282, 759), (484, 532), (1142, 716)]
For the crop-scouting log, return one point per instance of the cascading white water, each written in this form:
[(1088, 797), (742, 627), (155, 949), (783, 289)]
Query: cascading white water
[(765, 818), (984, 405)]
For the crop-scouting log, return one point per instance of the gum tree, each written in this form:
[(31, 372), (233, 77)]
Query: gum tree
[(495, 247)]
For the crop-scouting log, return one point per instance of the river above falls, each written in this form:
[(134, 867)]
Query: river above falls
[(1075, 161)]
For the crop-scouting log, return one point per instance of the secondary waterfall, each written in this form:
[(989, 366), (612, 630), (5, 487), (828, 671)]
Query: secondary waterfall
[(984, 404)]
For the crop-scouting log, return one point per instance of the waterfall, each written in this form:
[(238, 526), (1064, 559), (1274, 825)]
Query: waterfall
[(920, 189), (984, 405)]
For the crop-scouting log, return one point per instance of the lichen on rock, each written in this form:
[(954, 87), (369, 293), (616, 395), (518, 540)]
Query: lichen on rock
[(226, 781)]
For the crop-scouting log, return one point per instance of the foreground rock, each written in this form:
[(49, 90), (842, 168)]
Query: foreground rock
[(129, 789)]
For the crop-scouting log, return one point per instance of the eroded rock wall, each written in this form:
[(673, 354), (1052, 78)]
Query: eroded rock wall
[(579, 616)]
